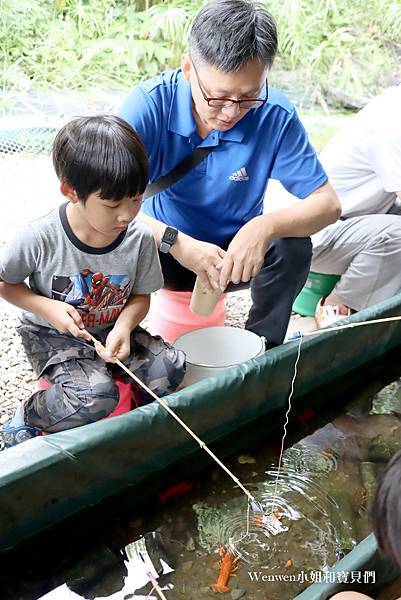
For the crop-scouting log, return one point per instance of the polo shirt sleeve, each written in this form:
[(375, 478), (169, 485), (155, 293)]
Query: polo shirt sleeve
[(140, 111), (296, 164)]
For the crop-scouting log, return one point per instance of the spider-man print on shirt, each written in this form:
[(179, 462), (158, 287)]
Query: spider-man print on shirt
[(99, 298)]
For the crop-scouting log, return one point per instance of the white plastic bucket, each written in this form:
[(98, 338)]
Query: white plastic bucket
[(210, 350)]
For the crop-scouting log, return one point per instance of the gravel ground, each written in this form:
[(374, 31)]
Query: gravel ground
[(30, 189)]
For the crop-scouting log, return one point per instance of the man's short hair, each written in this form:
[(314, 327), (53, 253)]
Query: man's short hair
[(101, 154), (386, 510), (227, 34)]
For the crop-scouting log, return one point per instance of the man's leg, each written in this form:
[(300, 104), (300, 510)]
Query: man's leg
[(366, 252), (83, 391), (276, 286)]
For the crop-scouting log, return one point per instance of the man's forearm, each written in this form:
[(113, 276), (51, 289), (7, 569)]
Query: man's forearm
[(158, 228), (135, 310), (306, 217)]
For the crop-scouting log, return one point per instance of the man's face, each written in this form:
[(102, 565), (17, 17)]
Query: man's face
[(248, 82)]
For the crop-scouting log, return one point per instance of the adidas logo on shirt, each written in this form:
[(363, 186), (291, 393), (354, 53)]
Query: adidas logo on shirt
[(240, 175)]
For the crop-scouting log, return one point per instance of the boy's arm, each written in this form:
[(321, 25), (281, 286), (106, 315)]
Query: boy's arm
[(118, 341), (60, 315), (134, 311)]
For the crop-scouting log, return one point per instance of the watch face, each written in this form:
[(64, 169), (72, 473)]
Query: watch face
[(170, 235)]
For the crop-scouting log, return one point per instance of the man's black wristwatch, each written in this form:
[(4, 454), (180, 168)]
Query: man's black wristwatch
[(169, 238)]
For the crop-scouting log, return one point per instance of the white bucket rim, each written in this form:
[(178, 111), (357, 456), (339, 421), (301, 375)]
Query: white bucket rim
[(219, 367)]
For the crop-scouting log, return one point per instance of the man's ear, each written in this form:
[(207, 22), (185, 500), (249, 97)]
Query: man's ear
[(68, 192), (186, 66)]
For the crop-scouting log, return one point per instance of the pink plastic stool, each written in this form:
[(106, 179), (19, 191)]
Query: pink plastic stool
[(170, 315), (124, 392)]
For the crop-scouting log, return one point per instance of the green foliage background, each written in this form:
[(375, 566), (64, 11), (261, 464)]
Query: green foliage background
[(349, 45)]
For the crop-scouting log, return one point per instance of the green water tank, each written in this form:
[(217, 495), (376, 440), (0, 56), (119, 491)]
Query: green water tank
[(317, 285)]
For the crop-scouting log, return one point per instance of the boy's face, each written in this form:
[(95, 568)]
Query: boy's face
[(98, 216), (109, 217)]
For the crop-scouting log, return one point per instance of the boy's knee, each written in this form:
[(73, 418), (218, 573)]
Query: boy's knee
[(157, 363), (167, 371), (99, 401)]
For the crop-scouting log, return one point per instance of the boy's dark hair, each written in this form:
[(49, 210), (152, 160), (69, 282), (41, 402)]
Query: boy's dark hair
[(227, 34), (385, 513), (101, 154)]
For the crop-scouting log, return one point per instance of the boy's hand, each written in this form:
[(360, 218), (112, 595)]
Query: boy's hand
[(66, 319), (118, 345)]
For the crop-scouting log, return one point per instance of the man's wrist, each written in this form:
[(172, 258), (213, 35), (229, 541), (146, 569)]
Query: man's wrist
[(267, 227), (176, 251)]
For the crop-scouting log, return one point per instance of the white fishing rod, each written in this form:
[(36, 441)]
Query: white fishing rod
[(297, 334), (253, 502)]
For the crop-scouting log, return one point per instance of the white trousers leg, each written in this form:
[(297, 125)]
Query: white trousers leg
[(366, 252)]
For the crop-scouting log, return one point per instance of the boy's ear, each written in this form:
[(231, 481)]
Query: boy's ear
[(68, 192)]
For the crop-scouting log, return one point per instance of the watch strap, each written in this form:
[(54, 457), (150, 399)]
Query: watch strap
[(165, 247)]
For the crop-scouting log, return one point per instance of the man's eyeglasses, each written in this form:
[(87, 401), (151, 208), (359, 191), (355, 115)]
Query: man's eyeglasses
[(226, 102)]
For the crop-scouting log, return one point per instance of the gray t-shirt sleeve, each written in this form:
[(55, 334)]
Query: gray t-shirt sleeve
[(149, 277), (20, 258)]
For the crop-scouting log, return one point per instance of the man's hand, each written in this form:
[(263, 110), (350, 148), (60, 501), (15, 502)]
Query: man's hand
[(117, 345), (65, 318), (245, 254), (202, 258)]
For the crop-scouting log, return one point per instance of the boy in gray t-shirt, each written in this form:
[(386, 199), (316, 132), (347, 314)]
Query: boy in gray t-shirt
[(91, 268)]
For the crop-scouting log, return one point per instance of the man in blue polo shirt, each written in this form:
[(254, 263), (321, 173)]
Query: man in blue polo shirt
[(210, 223)]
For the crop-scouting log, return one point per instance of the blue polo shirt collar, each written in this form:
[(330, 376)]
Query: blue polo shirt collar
[(181, 120), (238, 132)]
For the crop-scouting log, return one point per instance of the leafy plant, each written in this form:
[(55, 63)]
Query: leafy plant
[(344, 47)]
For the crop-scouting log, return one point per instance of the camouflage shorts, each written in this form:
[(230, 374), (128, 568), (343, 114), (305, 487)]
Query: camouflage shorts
[(84, 388)]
